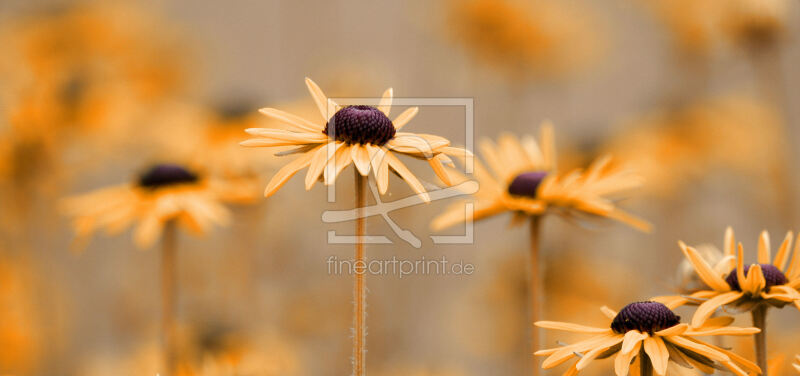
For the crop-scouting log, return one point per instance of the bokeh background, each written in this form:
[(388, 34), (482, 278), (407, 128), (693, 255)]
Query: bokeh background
[(698, 94)]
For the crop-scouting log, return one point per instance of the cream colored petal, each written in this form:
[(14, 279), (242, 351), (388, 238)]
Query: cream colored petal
[(764, 256), (286, 172), (750, 366), (401, 120), (411, 144), (755, 281), (730, 242), (385, 104), (319, 161), (440, 170), (340, 160), (297, 122), (608, 312), (673, 331), (740, 266), (148, 231), (534, 153), (598, 349), (659, 356), (632, 337), (622, 362), (704, 271), (408, 176), (458, 214), (723, 331), (701, 349), (569, 327), (783, 252), (319, 98), (547, 142), (380, 167), (571, 371), (279, 137), (361, 158), (567, 352), (717, 321), (705, 310), (794, 266), (630, 220)]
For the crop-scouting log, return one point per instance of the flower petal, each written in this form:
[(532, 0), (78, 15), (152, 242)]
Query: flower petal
[(764, 251), (286, 172), (401, 120), (293, 120), (569, 327), (705, 310), (385, 104), (704, 271), (657, 351)]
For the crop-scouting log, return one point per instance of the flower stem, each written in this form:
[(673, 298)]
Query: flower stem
[(760, 321), (168, 296), (534, 292), (359, 289), (645, 365)]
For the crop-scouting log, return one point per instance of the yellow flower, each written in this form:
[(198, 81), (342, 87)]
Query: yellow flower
[(522, 179), (743, 286), (648, 331), (162, 194), (756, 23), (363, 135), (527, 38)]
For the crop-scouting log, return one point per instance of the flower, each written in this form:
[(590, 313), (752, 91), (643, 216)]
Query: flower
[(163, 193), (743, 286), (527, 39), (756, 23), (648, 329), (522, 179), (362, 134), (796, 365)]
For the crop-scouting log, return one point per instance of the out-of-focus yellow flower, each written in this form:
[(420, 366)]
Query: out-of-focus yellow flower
[(773, 282), (522, 179), (648, 331), (674, 147), (694, 24), (796, 364), (527, 39), (162, 194), (756, 23)]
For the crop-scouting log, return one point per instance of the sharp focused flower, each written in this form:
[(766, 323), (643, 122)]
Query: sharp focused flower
[(522, 179), (649, 331), (774, 282), (163, 193), (363, 135)]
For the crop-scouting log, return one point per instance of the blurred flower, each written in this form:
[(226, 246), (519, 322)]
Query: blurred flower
[(672, 148), (527, 38), (523, 180), (363, 135), (694, 24), (756, 23), (163, 193), (217, 150), (796, 364), (648, 329), (747, 286)]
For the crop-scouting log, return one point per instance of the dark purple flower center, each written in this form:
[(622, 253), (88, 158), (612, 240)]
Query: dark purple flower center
[(526, 184), (772, 275), (360, 125), (646, 317), (163, 175)]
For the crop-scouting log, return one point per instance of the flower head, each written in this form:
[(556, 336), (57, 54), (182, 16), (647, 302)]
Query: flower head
[(361, 134), (163, 193), (649, 329), (771, 281), (522, 178)]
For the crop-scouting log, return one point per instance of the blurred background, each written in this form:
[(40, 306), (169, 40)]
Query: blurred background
[(697, 94)]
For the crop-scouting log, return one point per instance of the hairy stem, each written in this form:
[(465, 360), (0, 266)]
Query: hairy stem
[(534, 291), (168, 296), (760, 321), (359, 288)]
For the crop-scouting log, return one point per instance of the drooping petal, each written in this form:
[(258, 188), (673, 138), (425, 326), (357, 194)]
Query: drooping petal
[(408, 176), (657, 351), (361, 159), (287, 171), (705, 310)]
